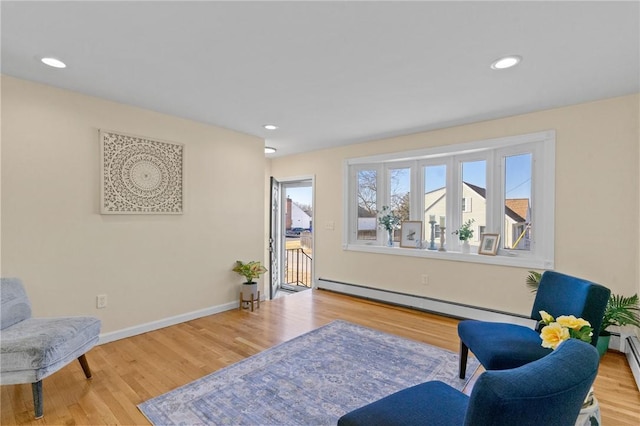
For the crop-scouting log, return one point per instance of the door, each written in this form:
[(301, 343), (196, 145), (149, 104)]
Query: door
[(275, 241)]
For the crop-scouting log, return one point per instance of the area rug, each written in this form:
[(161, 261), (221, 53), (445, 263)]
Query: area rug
[(312, 379)]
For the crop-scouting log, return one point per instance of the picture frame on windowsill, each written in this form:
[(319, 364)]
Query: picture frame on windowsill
[(489, 244), (411, 234)]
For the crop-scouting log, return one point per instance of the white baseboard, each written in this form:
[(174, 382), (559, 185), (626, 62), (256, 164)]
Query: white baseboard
[(437, 306), (165, 322), (632, 350)]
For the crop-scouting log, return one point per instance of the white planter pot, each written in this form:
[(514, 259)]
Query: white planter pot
[(466, 248), (248, 290)]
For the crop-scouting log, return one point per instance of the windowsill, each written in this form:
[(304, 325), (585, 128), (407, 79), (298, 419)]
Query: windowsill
[(456, 256)]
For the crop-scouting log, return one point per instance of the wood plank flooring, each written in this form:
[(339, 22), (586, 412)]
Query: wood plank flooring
[(130, 371)]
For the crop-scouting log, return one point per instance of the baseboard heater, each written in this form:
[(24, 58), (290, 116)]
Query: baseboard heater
[(632, 350), (427, 304)]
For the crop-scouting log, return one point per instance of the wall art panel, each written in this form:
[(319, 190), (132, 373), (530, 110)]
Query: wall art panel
[(140, 175)]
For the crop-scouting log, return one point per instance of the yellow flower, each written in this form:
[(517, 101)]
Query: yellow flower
[(546, 318), (553, 334), (572, 322)]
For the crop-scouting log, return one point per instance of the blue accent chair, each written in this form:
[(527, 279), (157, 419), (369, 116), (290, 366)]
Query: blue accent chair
[(499, 346), (34, 348), (549, 391)]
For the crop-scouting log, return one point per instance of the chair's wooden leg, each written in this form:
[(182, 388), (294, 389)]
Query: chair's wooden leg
[(464, 353), (36, 388), (85, 366)]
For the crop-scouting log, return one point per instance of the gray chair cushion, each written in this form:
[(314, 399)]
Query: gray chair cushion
[(37, 347), (15, 303)]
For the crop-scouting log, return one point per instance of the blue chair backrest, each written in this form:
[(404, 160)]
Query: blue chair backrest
[(561, 294), (15, 305), (549, 391)]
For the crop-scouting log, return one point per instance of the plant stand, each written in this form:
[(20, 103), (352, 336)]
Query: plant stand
[(246, 303)]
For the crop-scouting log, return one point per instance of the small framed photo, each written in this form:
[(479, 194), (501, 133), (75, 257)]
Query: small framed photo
[(489, 244), (411, 234)]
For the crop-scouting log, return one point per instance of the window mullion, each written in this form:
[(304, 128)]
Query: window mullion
[(454, 196), (382, 196), (416, 196)]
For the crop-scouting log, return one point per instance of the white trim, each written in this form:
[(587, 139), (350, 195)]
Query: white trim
[(504, 258), (314, 224), (632, 351), (459, 149), (427, 304), (165, 322)]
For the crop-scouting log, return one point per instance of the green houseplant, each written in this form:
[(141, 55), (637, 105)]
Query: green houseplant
[(389, 221), (250, 271), (533, 280), (620, 311), (464, 234)]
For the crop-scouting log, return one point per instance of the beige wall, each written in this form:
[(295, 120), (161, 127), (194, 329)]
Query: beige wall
[(597, 208), (150, 266)]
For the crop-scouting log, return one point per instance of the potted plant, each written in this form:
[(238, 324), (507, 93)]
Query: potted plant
[(389, 221), (533, 280), (464, 234), (620, 311), (250, 271)]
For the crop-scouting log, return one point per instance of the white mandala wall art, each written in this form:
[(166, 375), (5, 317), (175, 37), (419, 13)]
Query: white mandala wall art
[(140, 175)]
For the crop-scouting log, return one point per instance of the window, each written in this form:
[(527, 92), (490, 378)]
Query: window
[(517, 202), (367, 196), (474, 185), (399, 185), (503, 186), (466, 204)]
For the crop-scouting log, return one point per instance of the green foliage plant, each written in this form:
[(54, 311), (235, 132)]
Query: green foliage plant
[(621, 311), (465, 232), (250, 270), (387, 219), (533, 280)]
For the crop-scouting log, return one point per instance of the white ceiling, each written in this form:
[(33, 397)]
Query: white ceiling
[(329, 73)]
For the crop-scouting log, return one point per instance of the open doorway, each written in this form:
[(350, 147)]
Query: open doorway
[(291, 237)]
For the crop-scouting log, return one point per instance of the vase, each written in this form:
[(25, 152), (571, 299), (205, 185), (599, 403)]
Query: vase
[(466, 248), (390, 238), (249, 291), (590, 412)]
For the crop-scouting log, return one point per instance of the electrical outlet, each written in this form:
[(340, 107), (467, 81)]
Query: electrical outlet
[(424, 279), (329, 225), (101, 301)]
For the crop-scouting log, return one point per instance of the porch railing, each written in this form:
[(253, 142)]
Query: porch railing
[(298, 267)]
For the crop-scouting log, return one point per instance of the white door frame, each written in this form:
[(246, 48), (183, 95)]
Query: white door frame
[(286, 180)]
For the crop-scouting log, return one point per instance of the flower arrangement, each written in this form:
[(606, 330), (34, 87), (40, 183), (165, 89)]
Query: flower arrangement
[(249, 270), (563, 328), (387, 219), (465, 232)]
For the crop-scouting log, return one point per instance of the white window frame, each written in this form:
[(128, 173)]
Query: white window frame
[(542, 147)]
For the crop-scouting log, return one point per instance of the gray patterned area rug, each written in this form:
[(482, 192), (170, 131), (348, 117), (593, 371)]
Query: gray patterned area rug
[(312, 379)]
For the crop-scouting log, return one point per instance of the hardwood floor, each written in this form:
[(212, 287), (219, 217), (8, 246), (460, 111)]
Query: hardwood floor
[(130, 371)]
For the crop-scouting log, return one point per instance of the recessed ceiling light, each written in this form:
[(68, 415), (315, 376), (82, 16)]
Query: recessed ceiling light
[(506, 62), (270, 126), (53, 62), (269, 150)]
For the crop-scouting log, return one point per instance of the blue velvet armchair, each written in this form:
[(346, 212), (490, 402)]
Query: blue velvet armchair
[(549, 391), (34, 348), (499, 346)]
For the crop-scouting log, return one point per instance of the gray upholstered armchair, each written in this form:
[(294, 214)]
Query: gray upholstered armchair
[(34, 348)]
